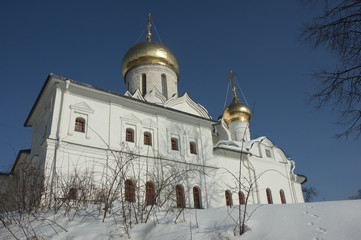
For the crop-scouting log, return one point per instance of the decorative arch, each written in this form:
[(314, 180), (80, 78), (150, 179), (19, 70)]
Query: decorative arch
[(241, 198), (79, 124), (282, 196), (180, 196), (269, 196), (149, 194), (228, 195), (197, 197), (129, 191)]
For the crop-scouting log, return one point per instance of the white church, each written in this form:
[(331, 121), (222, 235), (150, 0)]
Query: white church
[(152, 132)]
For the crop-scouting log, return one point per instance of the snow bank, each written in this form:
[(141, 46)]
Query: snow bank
[(321, 220)]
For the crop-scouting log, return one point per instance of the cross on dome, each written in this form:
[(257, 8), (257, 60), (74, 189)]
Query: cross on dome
[(148, 25)]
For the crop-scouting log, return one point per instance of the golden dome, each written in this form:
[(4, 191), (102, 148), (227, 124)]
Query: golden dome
[(237, 110), (149, 52)]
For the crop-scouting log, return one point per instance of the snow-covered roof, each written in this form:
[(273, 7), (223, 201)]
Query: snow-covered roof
[(238, 146)]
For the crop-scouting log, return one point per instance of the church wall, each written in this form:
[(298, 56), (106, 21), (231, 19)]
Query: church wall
[(105, 134), (104, 139), (263, 172)]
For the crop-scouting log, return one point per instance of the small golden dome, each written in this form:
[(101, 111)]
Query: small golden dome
[(149, 52), (237, 110)]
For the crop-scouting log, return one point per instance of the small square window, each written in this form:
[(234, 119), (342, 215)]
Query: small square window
[(174, 144)]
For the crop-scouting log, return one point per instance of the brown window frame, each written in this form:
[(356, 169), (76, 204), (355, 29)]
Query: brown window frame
[(241, 198), (129, 135), (197, 197), (180, 196), (193, 147), (269, 196), (174, 144), (129, 193), (79, 125), (283, 197), (228, 196), (149, 193), (147, 138)]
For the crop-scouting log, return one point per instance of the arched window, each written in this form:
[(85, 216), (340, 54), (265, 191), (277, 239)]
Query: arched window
[(72, 193), (147, 138), (282, 196), (241, 198), (228, 198), (144, 84), (180, 196), (129, 135), (269, 196), (80, 124), (174, 143), (129, 191), (193, 148), (196, 197), (164, 85), (149, 194)]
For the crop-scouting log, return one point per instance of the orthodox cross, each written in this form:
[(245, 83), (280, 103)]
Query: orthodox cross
[(148, 25), (231, 78)]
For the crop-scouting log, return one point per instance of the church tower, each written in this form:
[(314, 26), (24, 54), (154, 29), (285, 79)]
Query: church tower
[(237, 116), (151, 67)]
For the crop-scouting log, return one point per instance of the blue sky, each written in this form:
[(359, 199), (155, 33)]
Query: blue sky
[(86, 41)]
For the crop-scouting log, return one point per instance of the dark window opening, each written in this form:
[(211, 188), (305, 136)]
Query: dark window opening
[(180, 196), (129, 191), (148, 138), (192, 146), (174, 144), (228, 198), (269, 196), (150, 193), (196, 197), (282, 196), (129, 135), (144, 84), (241, 198), (164, 85), (80, 124), (72, 193)]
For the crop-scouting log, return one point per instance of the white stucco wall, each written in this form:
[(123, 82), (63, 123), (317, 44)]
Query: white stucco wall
[(107, 116), (153, 74)]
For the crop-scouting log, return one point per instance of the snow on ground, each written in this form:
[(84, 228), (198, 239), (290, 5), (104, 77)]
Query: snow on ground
[(314, 221)]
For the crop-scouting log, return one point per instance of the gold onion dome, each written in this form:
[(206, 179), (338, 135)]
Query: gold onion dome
[(149, 53), (237, 110)]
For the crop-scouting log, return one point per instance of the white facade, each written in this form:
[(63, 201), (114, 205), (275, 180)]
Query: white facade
[(207, 156)]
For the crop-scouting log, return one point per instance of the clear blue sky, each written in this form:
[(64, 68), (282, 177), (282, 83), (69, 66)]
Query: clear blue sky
[(86, 41)]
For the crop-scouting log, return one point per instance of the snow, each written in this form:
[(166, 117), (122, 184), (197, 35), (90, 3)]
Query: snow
[(316, 221), (237, 145)]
